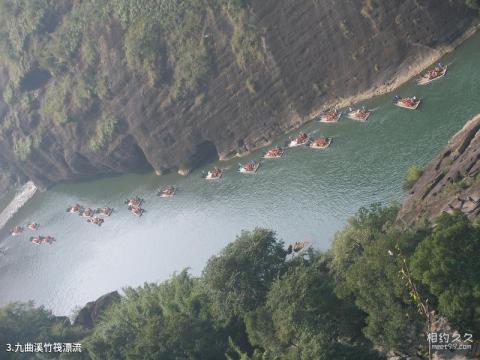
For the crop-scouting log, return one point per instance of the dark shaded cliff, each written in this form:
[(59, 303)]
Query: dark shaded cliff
[(93, 89), (450, 183)]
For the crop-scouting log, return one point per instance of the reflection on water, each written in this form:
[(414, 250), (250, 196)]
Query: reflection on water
[(307, 195)]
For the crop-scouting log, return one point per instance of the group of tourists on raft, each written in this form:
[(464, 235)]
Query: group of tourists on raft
[(167, 191), (37, 240), (249, 168), (332, 116), (433, 74), (297, 247), (17, 230), (275, 153), (95, 217), (215, 173), (42, 240), (304, 139), (135, 206)]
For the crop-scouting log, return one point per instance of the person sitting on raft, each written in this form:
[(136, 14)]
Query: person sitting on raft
[(134, 201), (87, 212), (136, 210), (33, 226), (105, 211), (74, 209), (250, 166), (215, 172), (17, 230)]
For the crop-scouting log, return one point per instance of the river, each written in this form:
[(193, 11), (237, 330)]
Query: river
[(307, 195)]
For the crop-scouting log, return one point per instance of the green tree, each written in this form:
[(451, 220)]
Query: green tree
[(447, 263), (238, 279), (165, 321), (24, 323), (304, 319), (364, 269), (367, 225)]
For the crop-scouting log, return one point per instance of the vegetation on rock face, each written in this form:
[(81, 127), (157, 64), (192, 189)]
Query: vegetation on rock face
[(458, 185), (245, 42), (413, 174), (47, 49), (103, 133), (22, 147), (253, 302)]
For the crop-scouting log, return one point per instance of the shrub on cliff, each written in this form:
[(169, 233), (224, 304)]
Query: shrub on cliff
[(170, 33), (104, 130), (413, 174), (245, 42), (144, 51), (22, 147)]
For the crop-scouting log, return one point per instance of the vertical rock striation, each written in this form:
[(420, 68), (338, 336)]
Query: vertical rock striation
[(314, 54)]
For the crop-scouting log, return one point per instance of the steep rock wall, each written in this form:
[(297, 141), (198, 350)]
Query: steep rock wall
[(316, 54), (450, 183)]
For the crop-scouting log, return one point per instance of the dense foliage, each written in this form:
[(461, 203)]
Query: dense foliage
[(256, 302), (23, 323), (239, 278), (446, 264), (166, 321), (365, 271), (303, 318)]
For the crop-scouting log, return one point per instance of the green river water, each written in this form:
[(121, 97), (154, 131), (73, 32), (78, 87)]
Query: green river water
[(307, 195)]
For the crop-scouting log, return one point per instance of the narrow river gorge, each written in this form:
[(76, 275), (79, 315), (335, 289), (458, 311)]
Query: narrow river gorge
[(307, 195)]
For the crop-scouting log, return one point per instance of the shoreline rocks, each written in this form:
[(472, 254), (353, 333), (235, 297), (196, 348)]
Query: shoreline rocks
[(450, 182)]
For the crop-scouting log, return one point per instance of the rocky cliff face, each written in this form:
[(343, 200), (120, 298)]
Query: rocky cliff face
[(450, 183), (91, 312), (313, 54)]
